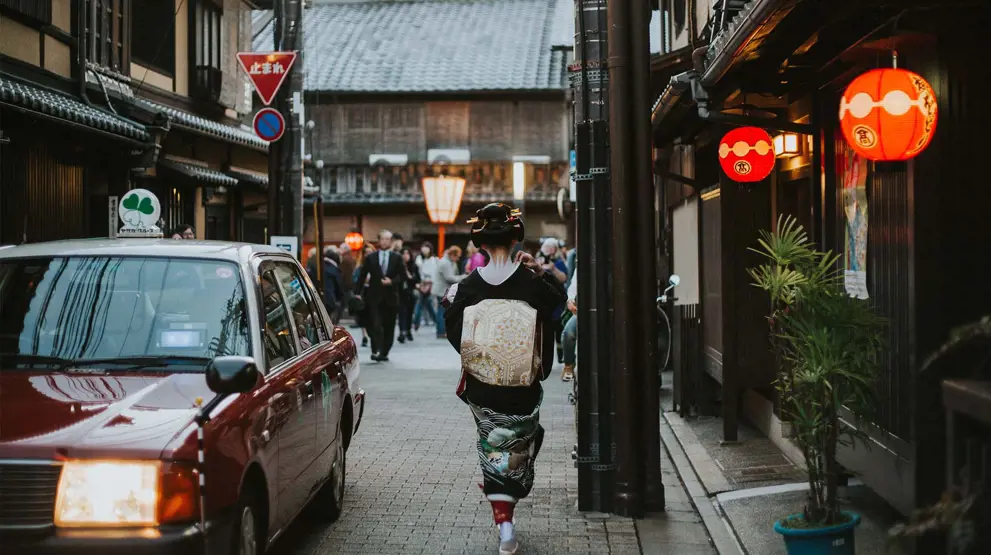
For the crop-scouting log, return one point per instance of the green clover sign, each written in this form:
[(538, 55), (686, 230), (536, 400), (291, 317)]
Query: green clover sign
[(131, 202)]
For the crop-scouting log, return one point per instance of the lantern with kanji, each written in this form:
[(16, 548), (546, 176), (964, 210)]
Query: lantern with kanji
[(746, 154), (354, 241), (888, 114)]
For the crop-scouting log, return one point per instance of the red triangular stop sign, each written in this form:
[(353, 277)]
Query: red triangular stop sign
[(267, 71)]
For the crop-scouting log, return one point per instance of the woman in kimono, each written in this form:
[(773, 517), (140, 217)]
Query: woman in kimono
[(506, 417)]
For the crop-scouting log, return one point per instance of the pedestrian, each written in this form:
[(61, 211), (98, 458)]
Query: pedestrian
[(407, 295), (553, 262), (397, 243), (348, 266), (333, 288), (445, 276), (311, 263), (476, 258), (359, 308), (385, 273), (185, 231), (426, 262), (569, 335), (505, 307)]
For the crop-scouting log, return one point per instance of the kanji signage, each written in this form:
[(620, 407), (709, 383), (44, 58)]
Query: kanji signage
[(267, 70), (269, 124)]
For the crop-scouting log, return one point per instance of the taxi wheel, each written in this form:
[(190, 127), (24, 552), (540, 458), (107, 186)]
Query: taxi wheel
[(249, 535), (332, 495)]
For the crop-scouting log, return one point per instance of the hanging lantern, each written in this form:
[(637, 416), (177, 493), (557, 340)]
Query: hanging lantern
[(888, 114), (443, 198), (354, 241), (746, 154)]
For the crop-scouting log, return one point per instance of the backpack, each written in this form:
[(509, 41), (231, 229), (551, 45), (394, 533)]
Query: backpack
[(500, 343)]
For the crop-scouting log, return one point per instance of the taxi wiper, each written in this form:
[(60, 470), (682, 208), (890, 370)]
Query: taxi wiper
[(140, 362)]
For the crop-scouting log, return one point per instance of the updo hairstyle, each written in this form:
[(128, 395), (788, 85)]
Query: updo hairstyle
[(496, 225)]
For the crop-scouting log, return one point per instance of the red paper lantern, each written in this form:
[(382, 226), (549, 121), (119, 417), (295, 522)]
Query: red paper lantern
[(746, 154), (888, 114), (354, 241)]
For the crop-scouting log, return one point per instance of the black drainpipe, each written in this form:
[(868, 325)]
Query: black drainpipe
[(81, 50)]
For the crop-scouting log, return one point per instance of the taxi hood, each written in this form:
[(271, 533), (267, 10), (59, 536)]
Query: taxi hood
[(105, 414)]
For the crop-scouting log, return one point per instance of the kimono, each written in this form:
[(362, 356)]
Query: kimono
[(506, 418)]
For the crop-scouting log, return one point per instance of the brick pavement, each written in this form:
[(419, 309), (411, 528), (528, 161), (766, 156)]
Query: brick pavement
[(412, 478)]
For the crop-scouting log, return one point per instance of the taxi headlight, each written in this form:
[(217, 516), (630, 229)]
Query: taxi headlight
[(108, 493)]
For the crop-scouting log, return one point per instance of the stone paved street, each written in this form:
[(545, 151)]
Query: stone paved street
[(412, 477)]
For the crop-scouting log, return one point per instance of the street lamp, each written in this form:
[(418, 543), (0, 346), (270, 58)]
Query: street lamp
[(443, 198)]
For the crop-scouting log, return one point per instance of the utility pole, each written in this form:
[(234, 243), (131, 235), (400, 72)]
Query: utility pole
[(638, 478), (286, 180), (594, 453)]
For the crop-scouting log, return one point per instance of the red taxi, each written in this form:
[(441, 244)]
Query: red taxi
[(115, 355)]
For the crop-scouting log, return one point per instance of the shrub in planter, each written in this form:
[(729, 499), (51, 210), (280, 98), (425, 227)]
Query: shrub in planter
[(827, 344)]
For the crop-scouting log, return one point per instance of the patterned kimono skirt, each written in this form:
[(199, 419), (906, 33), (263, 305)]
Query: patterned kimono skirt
[(508, 445)]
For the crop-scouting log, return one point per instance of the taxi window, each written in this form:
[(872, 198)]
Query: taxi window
[(97, 307), (309, 327), (279, 343)]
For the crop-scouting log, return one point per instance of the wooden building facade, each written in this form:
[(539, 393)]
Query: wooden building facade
[(910, 232), (97, 98)]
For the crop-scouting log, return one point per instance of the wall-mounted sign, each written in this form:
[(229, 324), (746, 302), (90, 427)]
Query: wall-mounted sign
[(267, 70), (139, 211), (285, 242), (269, 124)]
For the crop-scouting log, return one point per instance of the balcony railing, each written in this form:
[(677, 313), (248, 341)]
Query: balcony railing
[(485, 181)]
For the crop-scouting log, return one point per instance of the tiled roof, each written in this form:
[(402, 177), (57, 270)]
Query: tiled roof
[(250, 177), (430, 46), (64, 107), (563, 24), (199, 173), (221, 131)]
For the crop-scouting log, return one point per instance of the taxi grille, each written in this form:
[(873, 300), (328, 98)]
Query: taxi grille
[(27, 494)]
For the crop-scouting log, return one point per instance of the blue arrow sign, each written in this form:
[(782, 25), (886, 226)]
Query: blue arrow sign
[(269, 124)]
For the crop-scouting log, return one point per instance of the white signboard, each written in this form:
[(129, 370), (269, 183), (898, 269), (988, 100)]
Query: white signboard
[(285, 242), (112, 208), (139, 211)]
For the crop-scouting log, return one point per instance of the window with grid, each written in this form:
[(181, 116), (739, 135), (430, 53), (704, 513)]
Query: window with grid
[(207, 34), (107, 32), (153, 29)]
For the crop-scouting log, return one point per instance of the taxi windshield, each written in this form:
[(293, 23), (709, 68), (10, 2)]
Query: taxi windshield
[(105, 308)]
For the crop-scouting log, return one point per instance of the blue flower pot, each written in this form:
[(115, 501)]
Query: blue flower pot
[(831, 540)]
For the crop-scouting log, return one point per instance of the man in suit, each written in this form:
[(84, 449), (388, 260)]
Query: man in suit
[(382, 298)]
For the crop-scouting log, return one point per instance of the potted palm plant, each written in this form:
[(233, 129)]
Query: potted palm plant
[(827, 344)]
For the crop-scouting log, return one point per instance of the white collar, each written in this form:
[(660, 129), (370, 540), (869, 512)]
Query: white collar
[(495, 273)]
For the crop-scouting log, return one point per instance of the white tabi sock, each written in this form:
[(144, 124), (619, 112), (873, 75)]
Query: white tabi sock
[(506, 532)]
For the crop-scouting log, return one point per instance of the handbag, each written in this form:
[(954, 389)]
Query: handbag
[(355, 305), (500, 343)]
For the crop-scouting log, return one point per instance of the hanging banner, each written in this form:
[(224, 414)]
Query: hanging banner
[(854, 170)]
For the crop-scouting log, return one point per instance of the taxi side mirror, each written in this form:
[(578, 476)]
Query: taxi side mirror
[(227, 375)]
